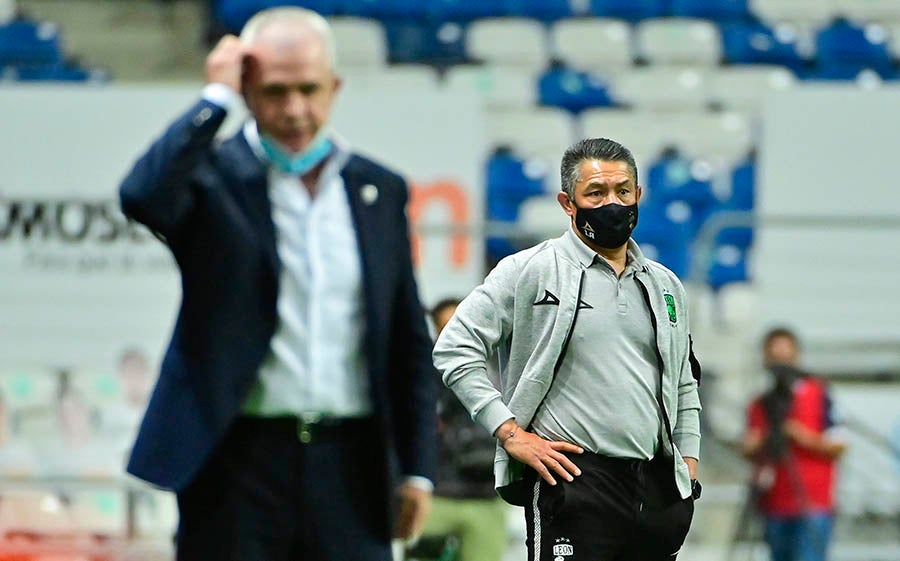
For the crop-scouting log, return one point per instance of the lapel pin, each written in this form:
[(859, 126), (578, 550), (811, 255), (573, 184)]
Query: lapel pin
[(369, 194)]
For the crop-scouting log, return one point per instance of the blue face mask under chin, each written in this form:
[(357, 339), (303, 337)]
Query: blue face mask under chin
[(298, 163)]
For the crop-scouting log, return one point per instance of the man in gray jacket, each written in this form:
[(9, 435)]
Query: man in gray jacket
[(608, 403)]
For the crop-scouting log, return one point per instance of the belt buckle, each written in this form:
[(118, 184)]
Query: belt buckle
[(306, 424)]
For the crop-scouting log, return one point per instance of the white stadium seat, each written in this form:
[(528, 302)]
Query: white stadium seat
[(497, 86), (720, 138), (657, 88), (516, 42), (744, 88), (534, 132), (679, 41), (594, 44), (405, 78), (869, 10), (638, 131), (360, 43), (802, 12), (542, 216)]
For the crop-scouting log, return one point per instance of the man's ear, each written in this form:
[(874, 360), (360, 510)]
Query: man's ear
[(637, 194), (565, 203)]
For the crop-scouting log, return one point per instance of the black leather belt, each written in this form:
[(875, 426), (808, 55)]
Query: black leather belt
[(310, 429)]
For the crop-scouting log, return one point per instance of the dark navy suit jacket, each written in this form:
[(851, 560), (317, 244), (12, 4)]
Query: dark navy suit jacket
[(210, 204)]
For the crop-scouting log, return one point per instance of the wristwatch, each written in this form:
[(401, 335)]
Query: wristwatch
[(696, 489)]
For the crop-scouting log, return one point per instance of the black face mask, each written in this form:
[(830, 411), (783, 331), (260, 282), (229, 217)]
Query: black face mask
[(608, 226)]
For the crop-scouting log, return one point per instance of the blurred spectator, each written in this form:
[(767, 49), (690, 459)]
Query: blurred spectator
[(76, 450), (465, 504), (119, 422), (795, 464)]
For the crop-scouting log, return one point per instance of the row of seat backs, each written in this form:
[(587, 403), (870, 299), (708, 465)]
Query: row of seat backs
[(234, 13), (608, 45)]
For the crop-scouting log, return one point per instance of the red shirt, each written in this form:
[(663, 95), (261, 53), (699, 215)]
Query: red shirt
[(809, 485)]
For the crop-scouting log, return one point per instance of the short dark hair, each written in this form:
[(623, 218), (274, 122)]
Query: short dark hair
[(592, 149), (441, 306), (777, 333)]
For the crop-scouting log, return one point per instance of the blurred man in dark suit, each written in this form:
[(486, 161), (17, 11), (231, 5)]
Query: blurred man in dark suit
[(297, 397)]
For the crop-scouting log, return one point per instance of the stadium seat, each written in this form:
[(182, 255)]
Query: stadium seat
[(722, 138), (544, 10), (756, 43), (844, 44), (676, 178), (385, 9), (593, 44), (538, 132), (28, 43), (664, 234), (569, 89), (466, 10), (745, 87), (438, 43), (805, 13), (497, 86), (515, 42), (743, 185), (509, 183), (869, 10), (58, 73), (360, 43), (657, 88), (631, 10), (729, 265), (405, 78), (842, 72), (636, 130), (685, 41), (233, 14), (717, 10), (542, 216)]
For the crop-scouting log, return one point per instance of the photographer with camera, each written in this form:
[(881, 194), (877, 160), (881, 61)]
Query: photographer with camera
[(794, 443)]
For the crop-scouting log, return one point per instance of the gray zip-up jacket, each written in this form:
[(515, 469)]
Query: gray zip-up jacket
[(499, 318)]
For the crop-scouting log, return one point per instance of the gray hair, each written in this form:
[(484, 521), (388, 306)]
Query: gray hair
[(592, 149), (294, 15)]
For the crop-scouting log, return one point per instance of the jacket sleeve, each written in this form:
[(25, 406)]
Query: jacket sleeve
[(156, 192), (686, 432), (414, 394), (480, 323)]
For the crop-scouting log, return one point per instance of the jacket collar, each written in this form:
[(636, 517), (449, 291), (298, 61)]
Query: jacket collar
[(578, 251)]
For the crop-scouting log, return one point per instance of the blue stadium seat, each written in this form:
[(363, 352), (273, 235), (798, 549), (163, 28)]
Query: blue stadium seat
[(466, 10), (235, 13), (663, 238), (847, 71), (754, 43), (632, 10), (561, 86), (844, 45), (729, 265), (439, 43), (743, 180), (508, 185), (59, 73), (28, 43), (675, 178), (545, 10), (719, 10), (385, 9)]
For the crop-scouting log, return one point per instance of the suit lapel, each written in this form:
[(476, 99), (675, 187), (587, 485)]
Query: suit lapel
[(253, 190), (364, 220)]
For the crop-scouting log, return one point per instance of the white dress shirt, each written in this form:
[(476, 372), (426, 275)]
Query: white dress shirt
[(316, 363)]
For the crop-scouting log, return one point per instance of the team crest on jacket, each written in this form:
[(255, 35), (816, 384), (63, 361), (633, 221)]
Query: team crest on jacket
[(562, 548), (670, 307)]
